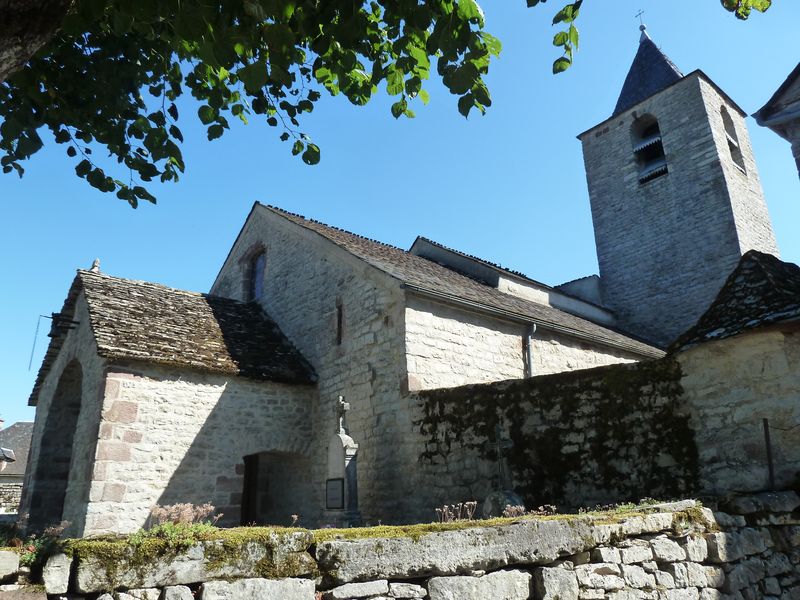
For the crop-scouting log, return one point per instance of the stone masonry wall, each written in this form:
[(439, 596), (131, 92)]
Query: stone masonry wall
[(747, 548), (305, 277), (665, 246), (78, 346), (449, 347), (600, 435), (753, 225), (10, 495), (731, 386), (168, 436)]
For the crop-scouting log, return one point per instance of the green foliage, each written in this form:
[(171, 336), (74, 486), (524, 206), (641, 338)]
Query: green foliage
[(111, 76)]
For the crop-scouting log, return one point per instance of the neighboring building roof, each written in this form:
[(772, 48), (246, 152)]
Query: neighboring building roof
[(17, 437), (650, 73), (429, 278), (762, 290), (140, 321), (773, 103)]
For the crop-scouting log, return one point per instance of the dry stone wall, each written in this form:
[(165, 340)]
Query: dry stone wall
[(745, 548), (601, 435)]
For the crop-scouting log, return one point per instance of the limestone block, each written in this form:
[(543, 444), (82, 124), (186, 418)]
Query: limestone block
[(679, 572), (606, 576), (636, 577), (358, 590), (710, 594), (664, 579), (9, 563), (777, 564), (258, 589), (591, 594), (452, 552), (744, 574), (55, 574), (776, 502), (772, 587), (715, 576), (406, 590), (19, 592), (681, 594), (667, 550), (696, 575), (696, 548), (144, 593), (636, 553), (723, 547), (606, 555), (177, 592), (555, 584), (284, 554), (500, 585), (726, 521)]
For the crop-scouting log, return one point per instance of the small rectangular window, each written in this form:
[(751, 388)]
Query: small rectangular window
[(339, 323)]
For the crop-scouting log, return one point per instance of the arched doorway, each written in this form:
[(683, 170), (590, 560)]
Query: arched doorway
[(51, 474)]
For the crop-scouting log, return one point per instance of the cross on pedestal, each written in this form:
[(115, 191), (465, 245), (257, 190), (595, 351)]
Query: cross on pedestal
[(341, 409)]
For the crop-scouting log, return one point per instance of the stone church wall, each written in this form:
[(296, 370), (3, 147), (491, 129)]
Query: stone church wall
[(731, 386), (78, 347), (169, 436), (448, 347), (306, 277)]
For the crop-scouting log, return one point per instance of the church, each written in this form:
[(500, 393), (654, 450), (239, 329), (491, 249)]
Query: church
[(293, 387)]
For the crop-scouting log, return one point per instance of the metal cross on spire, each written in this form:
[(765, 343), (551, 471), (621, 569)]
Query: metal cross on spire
[(640, 16)]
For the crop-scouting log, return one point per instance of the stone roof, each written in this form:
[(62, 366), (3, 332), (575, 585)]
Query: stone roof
[(766, 111), (650, 73), (761, 290), (140, 321), (17, 437), (421, 275)]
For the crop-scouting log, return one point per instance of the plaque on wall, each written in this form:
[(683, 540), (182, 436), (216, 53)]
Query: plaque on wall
[(334, 494)]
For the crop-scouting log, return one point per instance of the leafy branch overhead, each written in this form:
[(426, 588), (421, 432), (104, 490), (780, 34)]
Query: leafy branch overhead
[(111, 76)]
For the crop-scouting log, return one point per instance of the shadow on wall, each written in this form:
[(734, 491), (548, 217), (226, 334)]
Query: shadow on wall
[(251, 449), (48, 482), (608, 434)]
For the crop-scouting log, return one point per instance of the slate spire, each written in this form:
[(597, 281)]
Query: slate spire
[(650, 73)]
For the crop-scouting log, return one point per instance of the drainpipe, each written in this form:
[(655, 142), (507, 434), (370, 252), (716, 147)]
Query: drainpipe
[(527, 342)]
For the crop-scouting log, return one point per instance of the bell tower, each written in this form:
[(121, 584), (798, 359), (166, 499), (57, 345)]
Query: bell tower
[(675, 196)]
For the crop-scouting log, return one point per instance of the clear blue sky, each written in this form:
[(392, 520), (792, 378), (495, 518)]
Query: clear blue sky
[(508, 186)]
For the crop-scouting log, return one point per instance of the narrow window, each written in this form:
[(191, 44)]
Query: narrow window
[(255, 278), (339, 322), (648, 149), (733, 139)]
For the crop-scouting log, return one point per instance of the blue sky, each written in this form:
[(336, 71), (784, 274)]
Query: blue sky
[(508, 187)]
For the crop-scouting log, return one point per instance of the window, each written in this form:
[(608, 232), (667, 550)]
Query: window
[(648, 149), (255, 276), (733, 139), (339, 322)]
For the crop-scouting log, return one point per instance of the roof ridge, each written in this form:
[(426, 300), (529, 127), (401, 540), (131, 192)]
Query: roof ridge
[(142, 282), (282, 211), (483, 260)]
